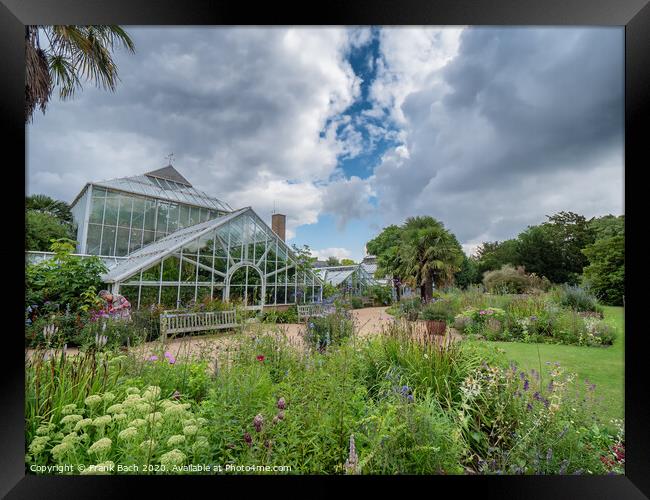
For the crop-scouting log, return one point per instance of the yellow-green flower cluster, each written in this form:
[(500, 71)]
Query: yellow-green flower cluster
[(128, 434), (38, 444), (93, 400), (82, 424), (71, 419), (102, 421), (172, 458), (100, 446), (176, 440), (108, 397), (116, 408), (69, 409), (60, 451), (190, 430), (151, 393)]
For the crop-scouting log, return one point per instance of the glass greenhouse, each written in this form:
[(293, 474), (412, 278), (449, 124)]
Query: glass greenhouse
[(349, 279), (118, 216), (172, 244), (232, 257)]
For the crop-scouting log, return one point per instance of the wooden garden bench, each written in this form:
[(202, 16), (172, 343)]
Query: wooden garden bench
[(307, 311), (173, 322)]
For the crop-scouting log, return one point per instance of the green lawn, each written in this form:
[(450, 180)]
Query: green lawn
[(603, 366)]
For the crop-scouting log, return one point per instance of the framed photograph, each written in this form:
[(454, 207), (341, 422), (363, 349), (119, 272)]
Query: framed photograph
[(272, 246)]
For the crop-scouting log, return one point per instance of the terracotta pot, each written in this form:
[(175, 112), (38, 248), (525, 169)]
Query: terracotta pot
[(435, 327)]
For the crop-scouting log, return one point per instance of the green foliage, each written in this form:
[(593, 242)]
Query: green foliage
[(381, 295), (429, 254), (494, 255), (514, 280), (605, 273), (333, 261), (356, 303), (469, 273), (577, 298), (347, 262), (440, 310), (44, 204), (63, 279), (329, 330), (329, 291), (409, 308), (41, 228), (278, 316)]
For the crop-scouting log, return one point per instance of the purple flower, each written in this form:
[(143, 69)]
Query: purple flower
[(410, 398), (537, 396), (281, 415), (152, 358), (170, 358), (529, 407), (526, 384), (281, 404), (533, 318), (248, 439), (481, 312), (257, 422), (522, 375)]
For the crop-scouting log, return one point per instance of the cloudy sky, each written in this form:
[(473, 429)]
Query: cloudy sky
[(349, 130)]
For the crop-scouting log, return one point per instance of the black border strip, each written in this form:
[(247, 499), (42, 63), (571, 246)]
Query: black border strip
[(634, 14)]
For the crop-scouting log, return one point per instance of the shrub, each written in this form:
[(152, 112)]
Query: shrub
[(381, 295), (62, 280), (410, 308), (276, 316), (506, 280), (440, 310), (578, 299), (356, 302), (329, 330)]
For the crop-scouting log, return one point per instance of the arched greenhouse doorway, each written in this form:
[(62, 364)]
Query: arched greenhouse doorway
[(245, 282)]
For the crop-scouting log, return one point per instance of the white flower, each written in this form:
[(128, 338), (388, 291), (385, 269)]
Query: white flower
[(176, 440), (138, 422), (190, 430), (148, 444), (128, 433), (117, 408), (82, 424), (61, 450), (118, 417), (104, 444), (108, 397), (38, 444), (102, 421), (70, 419), (93, 400), (69, 409), (172, 458)]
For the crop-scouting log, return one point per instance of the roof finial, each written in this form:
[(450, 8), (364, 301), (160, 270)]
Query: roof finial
[(170, 157)]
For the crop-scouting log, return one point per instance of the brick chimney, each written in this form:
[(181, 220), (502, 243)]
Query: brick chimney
[(279, 225)]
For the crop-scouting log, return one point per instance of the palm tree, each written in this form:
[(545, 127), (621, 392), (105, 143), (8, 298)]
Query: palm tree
[(72, 53), (428, 253), (42, 203)]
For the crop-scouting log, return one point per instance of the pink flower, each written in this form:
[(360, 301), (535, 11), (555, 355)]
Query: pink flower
[(152, 358), (170, 358), (281, 404), (482, 312), (260, 358)]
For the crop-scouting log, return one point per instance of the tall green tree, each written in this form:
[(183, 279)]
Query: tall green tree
[(45, 204), (41, 228), (68, 55), (429, 253), (605, 274), (496, 254), (469, 272), (333, 261), (385, 246), (347, 262)]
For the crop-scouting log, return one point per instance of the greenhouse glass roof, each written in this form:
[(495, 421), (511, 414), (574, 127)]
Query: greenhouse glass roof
[(149, 254), (165, 184), (335, 275)]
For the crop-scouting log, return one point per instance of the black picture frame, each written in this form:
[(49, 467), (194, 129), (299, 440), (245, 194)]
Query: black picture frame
[(633, 14)]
